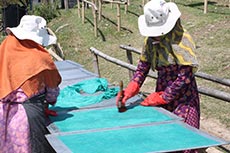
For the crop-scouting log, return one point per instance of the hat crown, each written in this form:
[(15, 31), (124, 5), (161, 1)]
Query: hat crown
[(33, 27), (156, 13), (32, 23), (159, 18)]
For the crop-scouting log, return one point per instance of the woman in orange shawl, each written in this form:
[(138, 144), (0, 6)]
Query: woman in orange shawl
[(28, 80)]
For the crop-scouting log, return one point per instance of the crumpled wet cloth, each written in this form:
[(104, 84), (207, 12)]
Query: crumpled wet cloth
[(86, 92)]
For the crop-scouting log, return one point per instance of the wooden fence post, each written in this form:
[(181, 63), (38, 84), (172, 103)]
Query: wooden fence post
[(95, 14), (96, 65), (205, 6), (126, 6), (118, 11), (79, 8), (66, 4), (111, 4), (118, 18), (143, 3), (95, 21), (130, 61), (83, 12), (99, 9)]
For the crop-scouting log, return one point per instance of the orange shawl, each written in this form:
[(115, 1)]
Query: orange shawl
[(22, 63)]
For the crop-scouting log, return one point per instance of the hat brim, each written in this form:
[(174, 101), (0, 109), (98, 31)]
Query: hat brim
[(155, 31), (21, 34)]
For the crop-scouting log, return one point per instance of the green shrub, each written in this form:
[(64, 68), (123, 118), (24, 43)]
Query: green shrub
[(4, 3), (47, 11)]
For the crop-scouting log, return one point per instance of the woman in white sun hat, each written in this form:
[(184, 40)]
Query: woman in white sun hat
[(29, 80), (169, 50)]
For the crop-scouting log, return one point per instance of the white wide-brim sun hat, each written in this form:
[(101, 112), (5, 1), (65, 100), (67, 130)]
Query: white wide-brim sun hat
[(159, 18), (33, 28)]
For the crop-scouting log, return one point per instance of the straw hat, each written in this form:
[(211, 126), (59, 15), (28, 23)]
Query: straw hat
[(33, 28), (159, 18)]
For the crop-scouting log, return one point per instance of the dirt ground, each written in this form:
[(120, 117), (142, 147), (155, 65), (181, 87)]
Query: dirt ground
[(215, 128)]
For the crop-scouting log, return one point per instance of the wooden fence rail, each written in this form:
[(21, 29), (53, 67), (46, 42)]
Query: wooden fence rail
[(203, 90), (202, 75)]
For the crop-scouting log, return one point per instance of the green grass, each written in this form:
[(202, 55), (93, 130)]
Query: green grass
[(210, 31)]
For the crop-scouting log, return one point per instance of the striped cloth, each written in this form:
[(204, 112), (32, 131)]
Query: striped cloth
[(176, 47)]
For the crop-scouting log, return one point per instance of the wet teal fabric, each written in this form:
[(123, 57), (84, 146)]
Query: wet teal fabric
[(108, 118), (154, 138), (86, 93)]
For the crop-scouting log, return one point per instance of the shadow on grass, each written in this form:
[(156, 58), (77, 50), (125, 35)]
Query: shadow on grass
[(199, 4), (123, 28), (100, 32), (133, 13)]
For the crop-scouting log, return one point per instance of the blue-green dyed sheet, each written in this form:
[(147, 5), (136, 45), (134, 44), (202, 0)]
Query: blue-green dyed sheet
[(154, 138), (109, 117), (85, 93)]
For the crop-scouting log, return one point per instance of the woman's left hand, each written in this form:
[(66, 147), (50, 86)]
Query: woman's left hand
[(154, 99)]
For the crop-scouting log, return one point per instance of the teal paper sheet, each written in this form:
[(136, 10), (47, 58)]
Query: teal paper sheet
[(152, 138), (104, 130), (109, 117)]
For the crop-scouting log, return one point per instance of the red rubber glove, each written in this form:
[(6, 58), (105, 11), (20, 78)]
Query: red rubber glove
[(52, 103), (154, 99), (50, 112), (131, 90)]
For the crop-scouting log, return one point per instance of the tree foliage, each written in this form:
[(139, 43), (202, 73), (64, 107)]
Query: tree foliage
[(4, 3), (47, 11)]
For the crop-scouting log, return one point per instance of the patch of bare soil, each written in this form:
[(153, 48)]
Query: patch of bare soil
[(215, 128)]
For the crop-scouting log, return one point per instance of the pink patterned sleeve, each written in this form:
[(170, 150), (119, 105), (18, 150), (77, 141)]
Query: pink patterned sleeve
[(141, 72), (179, 85)]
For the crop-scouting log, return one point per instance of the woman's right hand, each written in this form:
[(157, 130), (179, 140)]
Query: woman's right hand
[(131, 90)]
